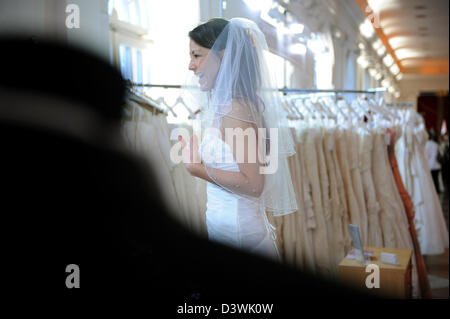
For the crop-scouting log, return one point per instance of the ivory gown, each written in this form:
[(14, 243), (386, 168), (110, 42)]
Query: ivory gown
[(232, 219)]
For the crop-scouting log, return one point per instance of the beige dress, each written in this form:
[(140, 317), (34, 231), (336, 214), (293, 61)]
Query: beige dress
[(320, 239), (375, 236), (338, 243)]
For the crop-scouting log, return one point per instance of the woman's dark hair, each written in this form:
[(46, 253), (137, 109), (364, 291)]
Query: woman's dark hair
[(206, 34)]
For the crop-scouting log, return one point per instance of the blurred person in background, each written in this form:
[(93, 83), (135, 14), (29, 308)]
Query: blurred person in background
[(444, 159), (432, 154)]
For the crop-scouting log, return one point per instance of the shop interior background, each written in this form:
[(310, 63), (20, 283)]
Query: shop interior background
[(322, 44)]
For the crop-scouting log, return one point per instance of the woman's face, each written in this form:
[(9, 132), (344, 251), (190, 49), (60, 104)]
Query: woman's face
[(205, 69)]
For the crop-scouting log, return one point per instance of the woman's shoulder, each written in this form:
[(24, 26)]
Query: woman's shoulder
[(244, 110)]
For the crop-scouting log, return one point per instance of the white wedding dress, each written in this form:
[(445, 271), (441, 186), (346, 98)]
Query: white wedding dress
[(232, 219)]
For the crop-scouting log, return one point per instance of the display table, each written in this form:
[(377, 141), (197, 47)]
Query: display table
[(395, 280)]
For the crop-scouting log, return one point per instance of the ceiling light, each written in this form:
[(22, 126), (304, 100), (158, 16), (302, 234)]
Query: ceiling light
[(372, 72), (361, 46), (366, 29), (381, 50), (377, 44), (391, 89), (375, 5), (397, 95), (388, 60), (362, 61), (378, 76), (385, 83), (399, 76), (394, 69)]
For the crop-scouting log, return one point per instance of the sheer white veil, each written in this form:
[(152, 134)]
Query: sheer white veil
[(234, 85)]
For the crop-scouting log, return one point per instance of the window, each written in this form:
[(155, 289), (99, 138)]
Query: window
[(131, 11), (275, 64), (149, 47), (366, 80), (322, 48), (125, 61), (350, 74)]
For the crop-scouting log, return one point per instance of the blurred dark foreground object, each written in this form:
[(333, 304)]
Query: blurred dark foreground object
[(73, 195)]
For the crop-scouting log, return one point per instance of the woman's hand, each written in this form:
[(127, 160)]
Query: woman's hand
[(190, 155)]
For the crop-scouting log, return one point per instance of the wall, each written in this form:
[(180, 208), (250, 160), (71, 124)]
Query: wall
[(412, 85), (46, 19)]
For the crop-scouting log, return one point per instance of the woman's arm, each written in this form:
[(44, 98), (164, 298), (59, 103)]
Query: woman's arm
[(248, 181), (237, 182)]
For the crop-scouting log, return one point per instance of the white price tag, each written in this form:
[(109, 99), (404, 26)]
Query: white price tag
[(389, 258), (388, 139)]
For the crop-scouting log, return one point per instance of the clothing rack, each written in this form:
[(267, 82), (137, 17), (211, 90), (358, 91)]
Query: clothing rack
[(284, 90)]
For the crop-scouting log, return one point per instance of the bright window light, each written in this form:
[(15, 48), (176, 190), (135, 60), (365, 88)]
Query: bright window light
[(296, 28), (276, 63), (316, 46), (388, 60), (297, 48), (259, 5)]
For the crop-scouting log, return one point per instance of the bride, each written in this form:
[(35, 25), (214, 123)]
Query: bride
[(250, 177)]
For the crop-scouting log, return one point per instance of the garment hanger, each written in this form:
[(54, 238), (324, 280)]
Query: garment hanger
[(334, 109), (162, 101), (318, 108), (181, 101), (324, 102), (314, 110), (357, 105), (385, 112), (293, 105), (291, 114), (302, 109), (351, 113), (144, 101), (332, 117)]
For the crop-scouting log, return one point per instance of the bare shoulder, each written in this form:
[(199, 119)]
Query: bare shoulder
[(242, 114)]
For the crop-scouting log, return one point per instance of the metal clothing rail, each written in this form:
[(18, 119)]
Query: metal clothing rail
[(284, 90), (401, 104), (370, 91)]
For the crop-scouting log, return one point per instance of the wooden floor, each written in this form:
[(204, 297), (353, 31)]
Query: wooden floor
[(437, 266)]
